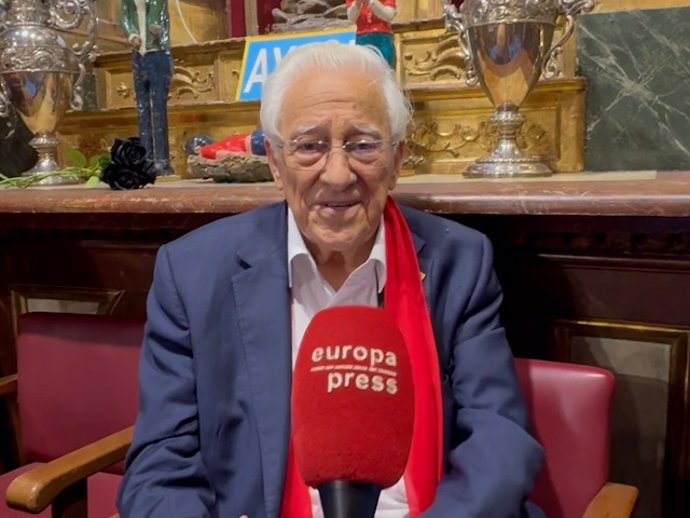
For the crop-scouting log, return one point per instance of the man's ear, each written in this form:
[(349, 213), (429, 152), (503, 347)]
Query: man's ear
[(398, 158), (273, 163)]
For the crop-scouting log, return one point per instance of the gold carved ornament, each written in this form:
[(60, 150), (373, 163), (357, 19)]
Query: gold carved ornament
[(428, 140), (185, 81)]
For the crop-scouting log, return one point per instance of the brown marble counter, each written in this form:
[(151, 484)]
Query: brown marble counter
[(664, 194)]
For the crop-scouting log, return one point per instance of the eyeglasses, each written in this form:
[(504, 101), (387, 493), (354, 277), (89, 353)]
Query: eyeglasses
[(312, 154)]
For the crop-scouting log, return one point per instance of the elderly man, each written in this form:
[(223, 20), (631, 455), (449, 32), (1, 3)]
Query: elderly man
[(230, 302)]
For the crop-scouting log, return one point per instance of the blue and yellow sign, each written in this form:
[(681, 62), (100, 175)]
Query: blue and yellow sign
[(263, 53)]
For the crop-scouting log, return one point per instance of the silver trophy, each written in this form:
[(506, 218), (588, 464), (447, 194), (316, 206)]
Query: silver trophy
[(40, 76), (506, 45)]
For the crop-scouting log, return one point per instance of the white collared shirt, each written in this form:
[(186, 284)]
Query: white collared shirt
[(310, 294)]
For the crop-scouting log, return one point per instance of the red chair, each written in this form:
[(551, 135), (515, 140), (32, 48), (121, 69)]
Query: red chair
[(570, 414), (76, 383)]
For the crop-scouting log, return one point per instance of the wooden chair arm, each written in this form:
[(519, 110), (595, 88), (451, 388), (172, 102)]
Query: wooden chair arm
[(8, 385), (35, 490), (612, 501)]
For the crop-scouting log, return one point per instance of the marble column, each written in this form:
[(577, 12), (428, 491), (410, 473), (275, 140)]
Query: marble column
[(637, 64)]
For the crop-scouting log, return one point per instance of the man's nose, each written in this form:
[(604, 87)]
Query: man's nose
[(337, 170)]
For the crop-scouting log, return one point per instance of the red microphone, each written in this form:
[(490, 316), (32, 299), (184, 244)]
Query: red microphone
[(352, 408)]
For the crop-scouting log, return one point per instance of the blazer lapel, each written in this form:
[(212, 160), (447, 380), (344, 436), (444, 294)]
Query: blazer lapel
[(425, 265), (263, 308)]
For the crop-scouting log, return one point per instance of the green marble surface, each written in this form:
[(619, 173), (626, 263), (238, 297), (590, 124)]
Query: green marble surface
[(637, 65)]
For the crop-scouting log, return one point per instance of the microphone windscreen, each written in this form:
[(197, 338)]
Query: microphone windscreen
[(352, 398)]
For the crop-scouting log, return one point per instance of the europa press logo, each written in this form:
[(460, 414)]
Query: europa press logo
[(360, 367)]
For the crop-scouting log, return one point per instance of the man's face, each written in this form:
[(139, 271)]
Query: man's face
[(337, 201)]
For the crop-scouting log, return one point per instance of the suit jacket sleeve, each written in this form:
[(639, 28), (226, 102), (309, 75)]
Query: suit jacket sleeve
[(493, 461), (165, 475)]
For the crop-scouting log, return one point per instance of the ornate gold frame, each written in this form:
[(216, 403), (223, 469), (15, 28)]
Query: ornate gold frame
[(676, 470)]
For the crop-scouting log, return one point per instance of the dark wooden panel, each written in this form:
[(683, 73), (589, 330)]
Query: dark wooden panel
[(72, 264)]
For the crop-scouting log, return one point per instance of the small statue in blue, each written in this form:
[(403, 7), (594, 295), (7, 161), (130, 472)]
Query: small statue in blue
[(146, 24)]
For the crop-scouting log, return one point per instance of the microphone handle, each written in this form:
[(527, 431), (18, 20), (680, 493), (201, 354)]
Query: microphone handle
[(347, 499)]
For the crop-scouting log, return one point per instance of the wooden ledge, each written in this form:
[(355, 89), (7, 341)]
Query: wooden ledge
[(576, 194)]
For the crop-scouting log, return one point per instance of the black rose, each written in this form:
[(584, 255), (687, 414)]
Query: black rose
[(121, 178), (128, 153), (129, 168)]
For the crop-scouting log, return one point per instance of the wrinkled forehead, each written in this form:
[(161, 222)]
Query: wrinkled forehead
[(327, 128), (319, 100)]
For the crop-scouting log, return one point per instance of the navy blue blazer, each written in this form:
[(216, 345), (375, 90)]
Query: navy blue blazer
[(212, 432)]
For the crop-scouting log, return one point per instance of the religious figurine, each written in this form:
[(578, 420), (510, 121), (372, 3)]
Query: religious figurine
[(238, 158), (146, 24), (306, 15), (373, 19), (251, 144)]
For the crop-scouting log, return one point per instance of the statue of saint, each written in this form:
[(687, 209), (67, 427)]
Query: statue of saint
[(373, 19), (146, 24)]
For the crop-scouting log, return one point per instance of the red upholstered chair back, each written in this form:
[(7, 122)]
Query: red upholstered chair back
[(570, 414), (77, 380)]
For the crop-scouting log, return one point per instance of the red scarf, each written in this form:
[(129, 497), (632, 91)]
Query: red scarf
[(405, 301)]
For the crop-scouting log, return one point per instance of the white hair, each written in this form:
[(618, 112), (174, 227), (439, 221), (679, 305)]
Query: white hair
[(334, 57)]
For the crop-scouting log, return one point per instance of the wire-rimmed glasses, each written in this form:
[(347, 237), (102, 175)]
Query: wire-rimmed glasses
[(312, 154)]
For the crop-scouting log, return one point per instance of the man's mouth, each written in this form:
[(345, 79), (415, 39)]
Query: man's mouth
[(339, 204)]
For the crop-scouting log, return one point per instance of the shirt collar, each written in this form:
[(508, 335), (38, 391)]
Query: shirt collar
[(296, 247)]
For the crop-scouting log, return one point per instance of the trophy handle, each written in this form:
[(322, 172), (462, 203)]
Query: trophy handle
[(77, 101), (5, 105), (7, 111), (455, 21), (551, 68), (68, 15), (576, 7), (570, 9)]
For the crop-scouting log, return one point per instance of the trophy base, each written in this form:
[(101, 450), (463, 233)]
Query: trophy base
[(507, 159), (517, 169), (47, 165), (45, 143), (53, 180)]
